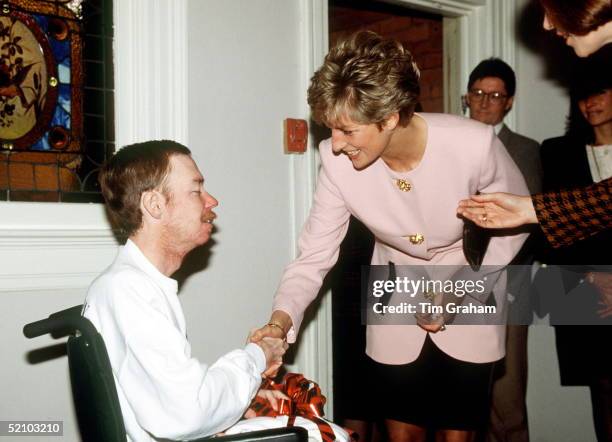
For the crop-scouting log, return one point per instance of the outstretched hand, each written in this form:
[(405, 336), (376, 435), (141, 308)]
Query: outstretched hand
[(260, 336), (266, 331), (498, 210), (277, 327), (275, 330), (274, 349)]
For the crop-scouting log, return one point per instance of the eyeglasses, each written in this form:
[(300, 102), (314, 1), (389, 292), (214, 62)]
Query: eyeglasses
[(494, 97)]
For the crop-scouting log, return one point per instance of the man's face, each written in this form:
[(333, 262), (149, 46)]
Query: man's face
[(188, 216), (488, 100)]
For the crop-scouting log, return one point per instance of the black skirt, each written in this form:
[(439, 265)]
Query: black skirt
[(583, 358), (435, 391)]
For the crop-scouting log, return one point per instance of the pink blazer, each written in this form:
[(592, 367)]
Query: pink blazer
[(461, 157)]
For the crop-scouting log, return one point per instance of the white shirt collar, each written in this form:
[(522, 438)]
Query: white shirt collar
[(498, 127), (600, 161), (143, 263)]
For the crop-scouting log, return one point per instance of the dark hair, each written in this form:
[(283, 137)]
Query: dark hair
[(590, 76), (366, 78), (494, 67), (135, 169), (578, 17)]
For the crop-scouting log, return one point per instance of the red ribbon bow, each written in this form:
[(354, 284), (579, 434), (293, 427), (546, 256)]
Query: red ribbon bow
[(305, 400)]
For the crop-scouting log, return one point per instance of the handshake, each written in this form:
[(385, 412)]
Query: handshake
[(272, 338)]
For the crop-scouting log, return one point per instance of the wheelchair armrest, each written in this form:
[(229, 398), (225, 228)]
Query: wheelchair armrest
[(285, 434), (61, 324)]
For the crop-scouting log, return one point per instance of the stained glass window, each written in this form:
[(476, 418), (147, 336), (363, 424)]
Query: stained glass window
[(56, 98)]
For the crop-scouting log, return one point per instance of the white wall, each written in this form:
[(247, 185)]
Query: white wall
[(560, 414), (49, 253), (542, 102), (244, 73), (39, 391)]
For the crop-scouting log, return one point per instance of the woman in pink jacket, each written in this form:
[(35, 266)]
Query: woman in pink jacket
[(401, 174)]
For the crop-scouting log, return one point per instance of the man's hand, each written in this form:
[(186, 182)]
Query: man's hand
[(275, 329), (272, 396), (498, 210), (274, 349), (603, 283)]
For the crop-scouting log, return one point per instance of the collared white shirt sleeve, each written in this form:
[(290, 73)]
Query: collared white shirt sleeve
[(168, 393)]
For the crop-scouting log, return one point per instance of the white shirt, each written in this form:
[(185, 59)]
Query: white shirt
[(498, 127), (600, 161), (164, 392)]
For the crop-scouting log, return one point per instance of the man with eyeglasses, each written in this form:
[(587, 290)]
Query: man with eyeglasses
[(490, 97), (491, 88)]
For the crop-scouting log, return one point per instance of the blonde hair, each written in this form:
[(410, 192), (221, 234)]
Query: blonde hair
[(365, 78)]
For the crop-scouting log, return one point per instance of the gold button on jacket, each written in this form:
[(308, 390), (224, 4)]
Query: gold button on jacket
[(403, 185), (416, 239)]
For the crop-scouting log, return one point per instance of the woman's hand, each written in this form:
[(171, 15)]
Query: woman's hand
[(603, 283), (429, 327), (435, 322), (498, 210), (277, 327)]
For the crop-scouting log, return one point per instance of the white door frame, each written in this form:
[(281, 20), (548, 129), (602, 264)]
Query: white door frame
[(473, 30)]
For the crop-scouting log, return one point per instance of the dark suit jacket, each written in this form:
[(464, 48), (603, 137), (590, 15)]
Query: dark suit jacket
[(566, 165), (526, 154)]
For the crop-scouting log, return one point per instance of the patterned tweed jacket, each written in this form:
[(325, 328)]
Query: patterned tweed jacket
[(579, 211), (571, 215)]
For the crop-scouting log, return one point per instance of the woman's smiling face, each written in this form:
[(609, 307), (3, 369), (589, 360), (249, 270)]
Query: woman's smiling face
[(363, 144), (597, 108)]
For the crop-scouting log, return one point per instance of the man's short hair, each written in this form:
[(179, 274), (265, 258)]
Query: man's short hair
[(135, 169), (494, 67), (365, 78)]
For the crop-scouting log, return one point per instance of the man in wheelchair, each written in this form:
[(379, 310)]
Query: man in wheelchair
[(155, 194)]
